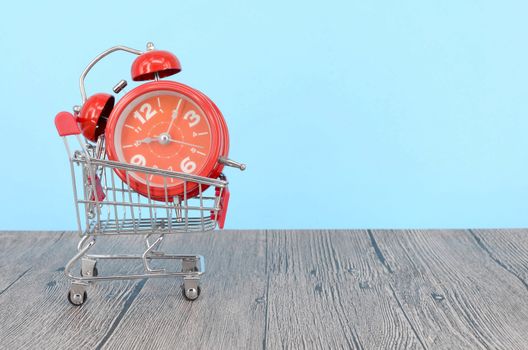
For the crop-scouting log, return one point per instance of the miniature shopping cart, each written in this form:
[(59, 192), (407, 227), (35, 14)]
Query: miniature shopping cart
[(107, 206)]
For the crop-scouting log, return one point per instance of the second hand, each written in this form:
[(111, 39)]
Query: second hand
[(186, 143)]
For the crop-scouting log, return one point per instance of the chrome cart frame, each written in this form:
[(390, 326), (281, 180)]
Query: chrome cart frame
[(106, 205)]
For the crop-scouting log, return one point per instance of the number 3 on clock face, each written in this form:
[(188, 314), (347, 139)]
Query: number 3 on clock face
[(165, 129)]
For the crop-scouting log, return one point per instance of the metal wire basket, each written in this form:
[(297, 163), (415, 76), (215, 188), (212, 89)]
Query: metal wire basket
[(107, 206), (110, 206)]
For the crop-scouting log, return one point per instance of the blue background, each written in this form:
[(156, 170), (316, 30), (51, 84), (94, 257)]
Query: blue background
[(348, 113)]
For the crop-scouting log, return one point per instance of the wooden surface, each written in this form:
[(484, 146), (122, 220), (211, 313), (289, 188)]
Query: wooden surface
[(451, 289)]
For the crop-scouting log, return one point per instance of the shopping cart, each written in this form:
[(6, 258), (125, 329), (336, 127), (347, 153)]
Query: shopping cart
[(107, 206)]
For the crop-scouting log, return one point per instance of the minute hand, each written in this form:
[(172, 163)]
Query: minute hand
[(174, 115), (186, 143)]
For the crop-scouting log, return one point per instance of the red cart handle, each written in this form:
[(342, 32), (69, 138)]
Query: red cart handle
[(66, 124), (224, 203)]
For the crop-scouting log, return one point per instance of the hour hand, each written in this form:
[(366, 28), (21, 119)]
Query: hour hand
[(146, 140)]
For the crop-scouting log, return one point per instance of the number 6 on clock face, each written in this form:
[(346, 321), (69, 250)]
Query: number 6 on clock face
[(166, 125), (187, 165)]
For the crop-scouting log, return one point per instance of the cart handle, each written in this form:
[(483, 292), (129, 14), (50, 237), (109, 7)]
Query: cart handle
[(97, 59), (66, 124)]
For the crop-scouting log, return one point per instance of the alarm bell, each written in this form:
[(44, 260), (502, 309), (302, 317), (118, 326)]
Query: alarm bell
[(93, 115), (155, 62)]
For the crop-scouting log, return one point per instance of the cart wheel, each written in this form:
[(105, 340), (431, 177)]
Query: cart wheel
[(191, 294), (77, 299), (94, 273)]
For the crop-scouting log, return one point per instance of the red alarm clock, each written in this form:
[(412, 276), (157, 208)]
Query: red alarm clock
[(170, 126), (161, 124), (166, 125)]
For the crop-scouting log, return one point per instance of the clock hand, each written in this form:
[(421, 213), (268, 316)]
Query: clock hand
[(147, 140), (174, 116), (185, 143), (164, 139)]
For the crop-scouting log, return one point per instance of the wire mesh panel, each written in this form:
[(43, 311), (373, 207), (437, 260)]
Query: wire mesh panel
[(111, 206)]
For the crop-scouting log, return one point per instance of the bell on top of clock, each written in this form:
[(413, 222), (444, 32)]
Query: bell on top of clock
[(154, 62)]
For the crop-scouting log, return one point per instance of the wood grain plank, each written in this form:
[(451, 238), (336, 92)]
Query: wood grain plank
[(327, 290), (229, 314), (35, 312), (17, 246), (278, 289), (508, 248), (453, 294)]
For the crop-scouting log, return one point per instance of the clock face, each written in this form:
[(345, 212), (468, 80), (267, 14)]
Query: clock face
[(167, 129)]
